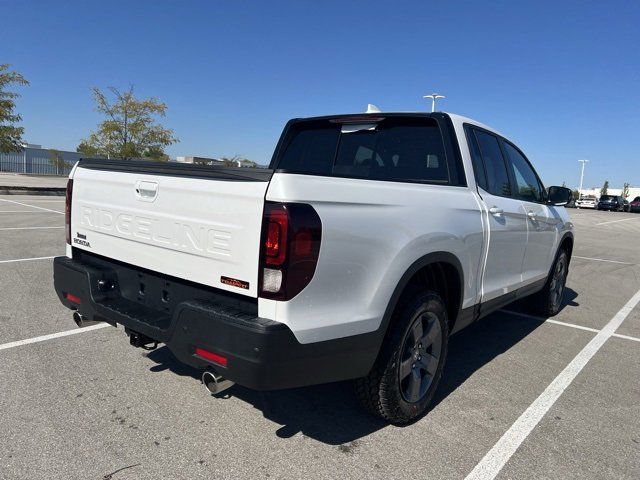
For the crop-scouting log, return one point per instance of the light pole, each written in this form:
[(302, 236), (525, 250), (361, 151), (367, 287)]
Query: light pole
[(583, 162), (434, 97)]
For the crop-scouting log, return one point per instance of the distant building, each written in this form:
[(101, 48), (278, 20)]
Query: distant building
[(199, 160), (238, 162), (33, 159)]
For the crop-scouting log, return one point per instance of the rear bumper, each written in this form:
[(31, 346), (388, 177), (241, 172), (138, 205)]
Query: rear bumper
[(261, 354)]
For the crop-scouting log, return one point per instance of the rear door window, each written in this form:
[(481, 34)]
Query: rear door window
[(394, 149), (495, 167)]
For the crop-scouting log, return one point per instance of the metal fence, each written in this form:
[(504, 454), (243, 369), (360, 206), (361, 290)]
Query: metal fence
[(38, 161)]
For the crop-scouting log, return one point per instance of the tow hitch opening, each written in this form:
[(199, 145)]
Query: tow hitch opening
[(139, 340)]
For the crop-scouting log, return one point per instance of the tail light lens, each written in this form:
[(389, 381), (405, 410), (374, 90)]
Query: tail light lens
[(291, 234), (67, 210)]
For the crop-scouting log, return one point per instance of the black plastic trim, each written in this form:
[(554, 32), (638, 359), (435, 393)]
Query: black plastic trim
[(262, 354), (174, 169)]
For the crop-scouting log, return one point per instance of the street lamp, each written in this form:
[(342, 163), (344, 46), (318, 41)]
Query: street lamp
[(583, 162), (433, 97)]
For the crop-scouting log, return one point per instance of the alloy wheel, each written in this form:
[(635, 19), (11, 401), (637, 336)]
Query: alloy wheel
[(420, 358)]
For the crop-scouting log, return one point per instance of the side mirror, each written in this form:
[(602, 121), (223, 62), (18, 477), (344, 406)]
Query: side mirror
[(559, 196)]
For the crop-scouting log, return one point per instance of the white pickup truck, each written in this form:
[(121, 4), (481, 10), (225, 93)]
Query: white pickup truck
[(368, 241)]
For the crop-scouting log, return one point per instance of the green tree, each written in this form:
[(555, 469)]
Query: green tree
[(605, 188), (576, 195), (130, 129), (10, 135), (625, 190), (55, 159), (88, 150)]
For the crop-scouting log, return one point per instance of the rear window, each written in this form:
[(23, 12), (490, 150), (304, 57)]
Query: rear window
[(395, 149), (607, 198)]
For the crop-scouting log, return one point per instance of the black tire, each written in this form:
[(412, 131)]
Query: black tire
[(548, 301), (405, 359)]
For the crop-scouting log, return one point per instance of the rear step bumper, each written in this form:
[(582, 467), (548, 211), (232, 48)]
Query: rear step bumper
[(261, 354)]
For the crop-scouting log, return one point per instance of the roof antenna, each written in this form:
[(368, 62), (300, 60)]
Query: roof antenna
[(371, 108), (434, 96)]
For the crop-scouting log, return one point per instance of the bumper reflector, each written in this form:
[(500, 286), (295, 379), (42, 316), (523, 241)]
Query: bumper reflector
[(73, 298), (213, 357)]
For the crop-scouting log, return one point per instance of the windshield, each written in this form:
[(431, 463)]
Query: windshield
[(607, 198)]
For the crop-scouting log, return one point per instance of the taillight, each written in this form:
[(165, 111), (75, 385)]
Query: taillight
[(67, 210), (291, 234)]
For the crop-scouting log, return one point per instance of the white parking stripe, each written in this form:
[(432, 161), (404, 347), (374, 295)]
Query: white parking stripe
[(565, 324), (572, 325), (602, 260), (616, 221), (499, 455), (626, 337), (26, 259), (32, 206), (51, 336), (27, 228), (45, 201)]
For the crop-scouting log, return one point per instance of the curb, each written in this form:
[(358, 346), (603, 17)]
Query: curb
[(19, 190)]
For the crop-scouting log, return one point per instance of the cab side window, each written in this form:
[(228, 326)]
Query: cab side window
[(528, 187)]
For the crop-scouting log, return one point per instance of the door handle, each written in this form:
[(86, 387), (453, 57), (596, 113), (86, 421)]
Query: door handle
[(532, 215), (496, 211)]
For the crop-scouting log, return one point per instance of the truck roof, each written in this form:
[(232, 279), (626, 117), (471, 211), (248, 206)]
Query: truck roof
[(454, 117)]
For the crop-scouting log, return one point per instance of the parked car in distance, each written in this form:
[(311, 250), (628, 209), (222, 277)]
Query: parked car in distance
[(587, 201), (634, 206), (366, 243), (612, 203), (626, 205)]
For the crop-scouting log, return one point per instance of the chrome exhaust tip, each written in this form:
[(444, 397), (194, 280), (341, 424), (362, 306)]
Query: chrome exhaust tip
[(81, 320), (215, 383)]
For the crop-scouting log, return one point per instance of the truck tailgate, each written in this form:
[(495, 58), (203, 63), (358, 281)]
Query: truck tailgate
[(192, 222)]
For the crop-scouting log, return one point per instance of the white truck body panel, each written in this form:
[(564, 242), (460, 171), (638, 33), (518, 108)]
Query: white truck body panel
[(372, 232)]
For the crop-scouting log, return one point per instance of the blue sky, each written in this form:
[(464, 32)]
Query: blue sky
[(562, 79)]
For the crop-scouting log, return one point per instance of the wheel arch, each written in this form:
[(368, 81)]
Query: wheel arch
[(450, 269), (566, 242)]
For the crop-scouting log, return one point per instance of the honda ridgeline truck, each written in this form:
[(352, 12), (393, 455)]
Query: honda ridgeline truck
[(369, 240)]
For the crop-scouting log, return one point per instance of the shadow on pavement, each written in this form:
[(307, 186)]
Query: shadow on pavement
[(331, 413)]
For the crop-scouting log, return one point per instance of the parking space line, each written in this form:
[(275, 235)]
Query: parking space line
[(549, 320), (565, 324), (51, 336), (22, 211), (28, 228), (45, 201), (32, 206), (626, 337), (496, 458), (26, 259), (616, 221), (602, 260), (572, 325)]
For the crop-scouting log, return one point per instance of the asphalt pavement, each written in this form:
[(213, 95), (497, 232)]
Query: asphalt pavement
[(89, 406)]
